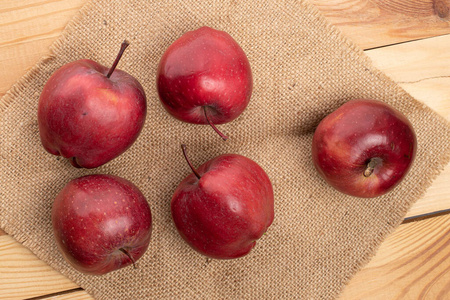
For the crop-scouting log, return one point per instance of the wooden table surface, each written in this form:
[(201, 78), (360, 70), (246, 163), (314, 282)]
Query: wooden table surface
[(407, 39)]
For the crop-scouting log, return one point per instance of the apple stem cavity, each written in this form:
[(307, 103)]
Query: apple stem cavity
[(124, 46), (183, 147), (373, 162), (224, 137), (129, 256)]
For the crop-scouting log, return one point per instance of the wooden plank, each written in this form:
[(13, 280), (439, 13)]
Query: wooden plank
[(413, 263), (23, 275), (27, 29), (436, 198), (422, 68), (384, 22), (77, 295)]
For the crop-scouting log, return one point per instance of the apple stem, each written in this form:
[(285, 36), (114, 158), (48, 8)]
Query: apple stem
[(370, 167), (124, 46), (129, 256), (224, 137), (183, 147)]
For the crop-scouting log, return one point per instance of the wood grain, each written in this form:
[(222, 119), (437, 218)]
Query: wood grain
[(25, 37), (77, 295), (436, 197), (422, 68), (27, 29), (413, 263), (23, 275), (374, 23)]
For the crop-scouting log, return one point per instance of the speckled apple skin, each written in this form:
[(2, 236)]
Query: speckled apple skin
[(89, 118), (204, 67), (94, 216), (224, 213), (359, 130)]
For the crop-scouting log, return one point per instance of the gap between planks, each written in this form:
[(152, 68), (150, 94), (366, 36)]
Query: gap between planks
[(376, 23), (413, 262)]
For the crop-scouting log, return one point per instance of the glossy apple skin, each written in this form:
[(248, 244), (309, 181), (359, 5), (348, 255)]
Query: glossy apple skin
[(224, 213), (96, 215), (347, 139), (89, 118), (205, 67)]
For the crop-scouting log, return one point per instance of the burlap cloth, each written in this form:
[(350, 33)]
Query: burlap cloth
[(303, 69)]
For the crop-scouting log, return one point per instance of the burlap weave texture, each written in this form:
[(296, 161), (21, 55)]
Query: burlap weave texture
[(303, 69)]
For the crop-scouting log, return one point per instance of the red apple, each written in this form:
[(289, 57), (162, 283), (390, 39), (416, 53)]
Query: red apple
[(223, 207), (90, 114), (101, 223), (364, 148), (204, 77)]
